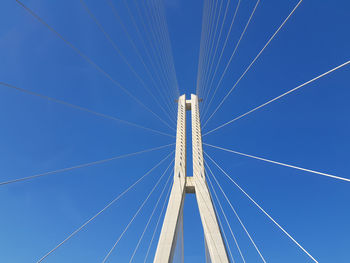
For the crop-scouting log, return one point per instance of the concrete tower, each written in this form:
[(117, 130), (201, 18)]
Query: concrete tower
[(172, 229)]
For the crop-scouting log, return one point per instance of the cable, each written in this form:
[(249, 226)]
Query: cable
[(230, 60), (137, 212), (239, 219), (223, 212), (101, 211), (210, 40), (137, 51), (212, 45), (201, 44), (262, 210), (220, 33), (81, 165), (150, 58), (157, 53), (166, 36), (206, 30), (251, 64), (279, 163), (227, 36), (150, 218), (82, 109), (119, 52), (211, 11), (220, 223), (158, 34), (278, 97), (91, 62)]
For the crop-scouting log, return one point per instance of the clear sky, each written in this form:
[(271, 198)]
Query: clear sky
[(309, 128)]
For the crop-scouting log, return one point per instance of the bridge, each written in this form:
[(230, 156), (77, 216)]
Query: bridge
[(179, 126)]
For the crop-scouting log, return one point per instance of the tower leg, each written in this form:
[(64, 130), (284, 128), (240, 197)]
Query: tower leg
[(173, 216), (215, 246)]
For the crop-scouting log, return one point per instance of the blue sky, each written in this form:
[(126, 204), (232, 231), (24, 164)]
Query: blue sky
[(308, 128)]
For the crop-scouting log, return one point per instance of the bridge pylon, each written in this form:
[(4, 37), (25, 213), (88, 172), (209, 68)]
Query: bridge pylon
[(172, 229)]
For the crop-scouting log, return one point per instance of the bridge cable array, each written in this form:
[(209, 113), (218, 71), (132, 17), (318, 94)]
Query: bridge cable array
[(228, 63), (279, 163), (119, 52), (237, 216), (135, 215), (105, 208), (81, 165), (92, 63), (278, 97), (84, 109), (164, 89), (262, 210), (252, 62)]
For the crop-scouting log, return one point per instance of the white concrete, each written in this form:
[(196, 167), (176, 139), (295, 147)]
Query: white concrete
[(213, 239), (173, 221), (173, 216)]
